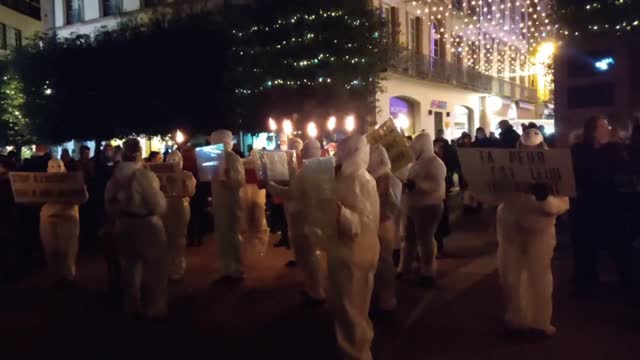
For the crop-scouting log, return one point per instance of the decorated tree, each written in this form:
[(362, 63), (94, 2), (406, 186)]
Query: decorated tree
[(15, 128), (310, 59), (197, 69)]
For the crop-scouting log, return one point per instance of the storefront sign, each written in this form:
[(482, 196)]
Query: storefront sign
[(439, 104), (392, 140), (68, 188), (171, 179), (499, 171)]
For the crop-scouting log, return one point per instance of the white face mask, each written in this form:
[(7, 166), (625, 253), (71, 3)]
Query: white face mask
[(531, 137), (480, 136)]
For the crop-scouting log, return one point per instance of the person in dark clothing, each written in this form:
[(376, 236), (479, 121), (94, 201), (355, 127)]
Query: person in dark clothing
[(443, 230), (482, 141), (447, 154), (9, 260), (509, 137), (236, 149), (597, 211)]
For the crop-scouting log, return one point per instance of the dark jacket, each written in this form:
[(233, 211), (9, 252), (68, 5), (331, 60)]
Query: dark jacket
[(509, 138)]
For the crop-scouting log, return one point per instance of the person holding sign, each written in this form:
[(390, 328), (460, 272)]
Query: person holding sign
[(59, 231), (305, 249), (352, 256), (227, 205), (176, 220), (426, 191), (134, 198), (527, 238)]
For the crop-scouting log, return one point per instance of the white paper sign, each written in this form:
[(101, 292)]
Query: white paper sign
[(388, 135), (273, 166), (171, 178), (211, 161), (48, 187), (499, 171), (320, 206)]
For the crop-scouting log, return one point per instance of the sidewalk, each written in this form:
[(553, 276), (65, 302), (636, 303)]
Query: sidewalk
[(461, 319)]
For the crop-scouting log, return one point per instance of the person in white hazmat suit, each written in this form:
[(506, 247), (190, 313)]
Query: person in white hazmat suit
[(227, 206), (527, 238), (425, 187), (352, 256), (59, 231), (134, 198), (302, 237), (176, 220), (389, 192)]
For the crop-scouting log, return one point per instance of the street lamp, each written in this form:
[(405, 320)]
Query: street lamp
[(331, 124), (403, 122), (272, 125), (179, 137), (350, 123), (287, 127), (312, 130)]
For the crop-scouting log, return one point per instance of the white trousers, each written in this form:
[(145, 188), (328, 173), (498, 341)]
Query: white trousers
[(385, 278), (350, 290), (144, 256), (59, 237), (524, 262)]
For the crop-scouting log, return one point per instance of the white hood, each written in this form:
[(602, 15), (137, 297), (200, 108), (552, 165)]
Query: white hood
[(295, 144), (56, 166), (125, 169), (175, 157), (379, 162), (352, 154), (311, 149), (422, 146), (224, 137)]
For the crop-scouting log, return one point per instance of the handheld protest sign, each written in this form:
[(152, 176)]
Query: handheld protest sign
[(34, 188), (211, 162), (272, 166), (499, 171), (388, 135), (320, 203), (171, 178)]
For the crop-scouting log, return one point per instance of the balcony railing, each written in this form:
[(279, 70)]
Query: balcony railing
[(25, 7), (426, 67)]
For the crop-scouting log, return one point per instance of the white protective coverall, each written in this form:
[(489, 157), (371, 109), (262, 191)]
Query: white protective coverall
[(59, 231), (425, 196), (527, 238), (302, 237), (176, 220), (255, 231), (389, 192), (133, 196), (352, 256), (227, 206)]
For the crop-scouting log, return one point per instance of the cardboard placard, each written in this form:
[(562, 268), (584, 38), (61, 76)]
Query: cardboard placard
[(388, 135), (171, 178), (272, 166), (321, 214), (211, 160), (39, 187), (499, 171)]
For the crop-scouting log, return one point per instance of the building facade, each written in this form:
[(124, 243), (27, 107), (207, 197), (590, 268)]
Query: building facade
[(597, 77), (19, 20), (460, 64)]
